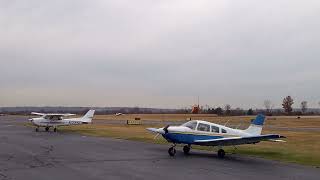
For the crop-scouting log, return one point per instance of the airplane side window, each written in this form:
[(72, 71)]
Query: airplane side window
[(203, 127), (224, 131), (214, 129)]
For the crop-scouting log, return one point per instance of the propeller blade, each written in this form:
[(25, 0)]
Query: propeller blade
[(156, 136), (155, 130)]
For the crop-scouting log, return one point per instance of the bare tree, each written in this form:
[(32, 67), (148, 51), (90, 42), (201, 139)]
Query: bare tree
[(228, 109), (304, 106), (287, 104), (268, 105)]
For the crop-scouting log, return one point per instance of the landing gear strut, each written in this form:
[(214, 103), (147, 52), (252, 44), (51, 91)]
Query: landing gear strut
[(172, 150), (221, 153), (186, 149)]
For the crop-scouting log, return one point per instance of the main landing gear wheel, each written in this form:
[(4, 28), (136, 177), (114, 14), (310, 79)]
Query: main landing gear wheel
[(186, 149), (172, 151), (221, 153), (37, 129), (47, 129), (55, 130)]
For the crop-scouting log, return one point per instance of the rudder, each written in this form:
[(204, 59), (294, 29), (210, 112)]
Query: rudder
[(87, 118), (256, 125)]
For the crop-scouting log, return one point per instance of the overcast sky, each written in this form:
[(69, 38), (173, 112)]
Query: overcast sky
[(159, 53)]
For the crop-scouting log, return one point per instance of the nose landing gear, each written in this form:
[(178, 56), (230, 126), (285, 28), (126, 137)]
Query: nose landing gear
[(172, 150)]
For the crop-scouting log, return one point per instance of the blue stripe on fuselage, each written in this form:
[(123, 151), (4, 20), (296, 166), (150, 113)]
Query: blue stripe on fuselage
[(187, 138)]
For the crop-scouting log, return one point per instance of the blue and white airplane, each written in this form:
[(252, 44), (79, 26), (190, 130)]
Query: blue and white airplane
[(197, 132)]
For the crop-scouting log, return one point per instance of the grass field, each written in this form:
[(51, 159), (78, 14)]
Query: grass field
[(302, 147)]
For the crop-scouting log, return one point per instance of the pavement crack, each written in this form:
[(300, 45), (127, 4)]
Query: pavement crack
[(48, 149), (38, 162), (4, 177)]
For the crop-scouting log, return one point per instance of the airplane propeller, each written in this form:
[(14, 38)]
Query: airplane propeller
[(166, 129), (159, 131)]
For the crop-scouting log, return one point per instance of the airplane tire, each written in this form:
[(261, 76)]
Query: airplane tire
[(55, 130), (37, 129), (221, 153), (172, 151), (47, 129), (186, 149)]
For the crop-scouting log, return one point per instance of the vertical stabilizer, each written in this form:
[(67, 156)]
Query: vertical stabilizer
[(256, 125), (87, 118)]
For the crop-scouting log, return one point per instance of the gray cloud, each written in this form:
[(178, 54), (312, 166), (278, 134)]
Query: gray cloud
[(158, 53)]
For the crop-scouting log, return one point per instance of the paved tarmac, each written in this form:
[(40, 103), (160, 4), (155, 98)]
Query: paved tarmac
[(28, 155)]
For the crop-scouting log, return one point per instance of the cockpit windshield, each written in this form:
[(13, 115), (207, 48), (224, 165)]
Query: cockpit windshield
[(191, 124)]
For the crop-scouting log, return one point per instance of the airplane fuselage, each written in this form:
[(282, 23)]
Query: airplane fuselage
[(42, 122), (185, 135)]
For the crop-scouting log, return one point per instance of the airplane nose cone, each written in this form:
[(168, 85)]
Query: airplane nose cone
[(31, 120)]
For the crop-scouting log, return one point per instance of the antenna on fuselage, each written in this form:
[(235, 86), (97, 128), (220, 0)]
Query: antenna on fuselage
[(240, 124), (226, 123)]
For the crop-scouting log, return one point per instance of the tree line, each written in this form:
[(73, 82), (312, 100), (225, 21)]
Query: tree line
[(269, 110)]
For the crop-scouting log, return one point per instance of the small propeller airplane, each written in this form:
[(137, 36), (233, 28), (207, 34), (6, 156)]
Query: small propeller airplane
[(55, 120), (197, 132)]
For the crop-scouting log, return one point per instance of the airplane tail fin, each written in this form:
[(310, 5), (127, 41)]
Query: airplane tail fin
[(256, 125), (87, 118)]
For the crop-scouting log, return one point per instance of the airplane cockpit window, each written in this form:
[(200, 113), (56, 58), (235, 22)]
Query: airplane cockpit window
[(203, 127), (53, 117), (215, 129), (224, 131), (191, 124)]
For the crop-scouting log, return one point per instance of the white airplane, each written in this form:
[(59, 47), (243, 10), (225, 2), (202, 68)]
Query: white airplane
[(55, 120), (204, 133), (119, 114)]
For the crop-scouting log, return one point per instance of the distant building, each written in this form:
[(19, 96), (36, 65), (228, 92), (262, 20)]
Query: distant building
[(195, 109)]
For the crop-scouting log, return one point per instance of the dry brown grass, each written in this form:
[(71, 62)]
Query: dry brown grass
[(279, 121)]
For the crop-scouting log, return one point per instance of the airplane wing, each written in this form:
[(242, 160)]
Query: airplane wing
[(39, 114), (238, 140), (59, 115)]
